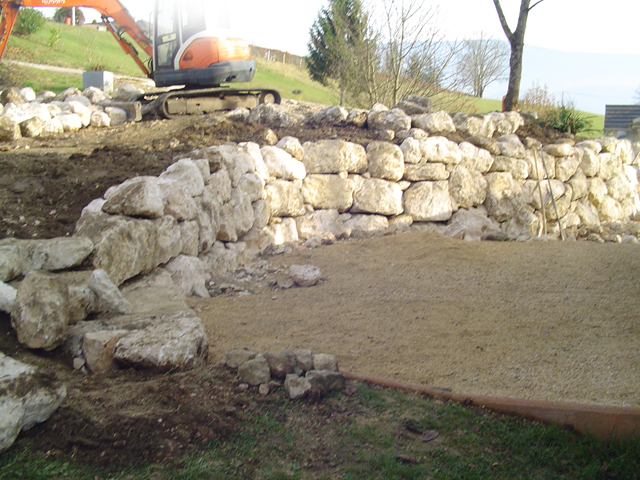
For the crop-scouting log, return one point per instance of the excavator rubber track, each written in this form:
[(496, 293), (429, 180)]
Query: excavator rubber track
[(176, 103)]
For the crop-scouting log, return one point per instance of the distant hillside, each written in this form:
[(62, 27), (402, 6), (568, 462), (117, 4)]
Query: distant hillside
[(592, 80)]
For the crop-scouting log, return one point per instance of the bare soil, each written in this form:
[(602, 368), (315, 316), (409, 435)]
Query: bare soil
[(543, 320)]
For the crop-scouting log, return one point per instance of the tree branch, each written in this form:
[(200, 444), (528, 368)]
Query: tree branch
[(503, 20), (539, 1)]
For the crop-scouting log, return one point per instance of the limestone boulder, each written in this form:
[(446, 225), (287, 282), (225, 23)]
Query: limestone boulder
[(440, 149), (175, 201), (378, 196), (476, 125), (364, 224), (19, 257), (32, 127), (517, 167), (434, 122), (237, 356), (109, 297), (297, 387), (428, 202), (98, 350), (567, 166), (334, 115), (426, 172), (285, 198), (41, 313), (610, 166), (282, 165), (471, 225), (176, 344), (468, 188), (328, 192), (386, 161), (281, 233), (125, 246), (334, 156), (504, 197), (137, 197), (305, 275), (7, 297), (475, 158), (411, 150), (187, 174), (292, 146), (381, 118), (188, 275), (319, 223), (274, 116), (27, 397), (9, 130), (255, 371)]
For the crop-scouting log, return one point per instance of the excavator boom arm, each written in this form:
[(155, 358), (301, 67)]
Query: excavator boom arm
[(109, 9)]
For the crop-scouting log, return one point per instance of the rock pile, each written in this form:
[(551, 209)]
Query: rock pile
[(304, 374), (25, 114)]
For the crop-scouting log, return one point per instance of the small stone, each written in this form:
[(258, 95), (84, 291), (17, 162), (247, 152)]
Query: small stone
[(237, 356), (263, 389), (305, 275), (325, 361), (297, 387)]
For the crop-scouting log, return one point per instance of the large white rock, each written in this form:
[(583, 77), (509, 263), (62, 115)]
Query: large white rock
[(468, 188), (428, 201), (71, 122), (188, 275), (360, 223), (19, 257), (620, 187), (251, 185), (610, 166), (334, 156), (190, 235), (27, 397), (319, 223), (292, 146), (126, 247), (273, 115), (328, 192), (511, 146), (236, 159), (51, 128), (282, 165), (285, 198), (610, 210), (434, 122), (525, 223), (334, 115), (379, 197), (7, 297), (187, 174), (475, 158), (517, 167), (385, 119), (136, 197), (227, 231), (470, 225), (110, 299), (567, 166), (219, 186), (32, 127), (385, 160), (504, 197), (587, 212), (475, 125), (440, 149), (507, 122), (426, 172), (178, 343), (411, 150), (41, 312), (176, 202), (208, 219), (9, 129), (283, 232)]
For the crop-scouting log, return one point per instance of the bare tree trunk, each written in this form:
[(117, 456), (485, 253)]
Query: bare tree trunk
[(516, 40)]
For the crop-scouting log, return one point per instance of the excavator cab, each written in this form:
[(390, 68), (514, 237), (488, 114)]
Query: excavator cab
[(192, 45)]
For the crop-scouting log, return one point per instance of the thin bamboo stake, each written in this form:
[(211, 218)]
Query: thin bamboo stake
[(553, 198)]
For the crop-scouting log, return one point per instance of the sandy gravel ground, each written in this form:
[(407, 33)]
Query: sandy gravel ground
[(538, 320)]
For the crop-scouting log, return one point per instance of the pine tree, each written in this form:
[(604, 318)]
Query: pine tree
[(337, 39)]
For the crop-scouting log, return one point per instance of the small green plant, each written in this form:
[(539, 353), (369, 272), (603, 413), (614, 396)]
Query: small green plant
[(567, 119), (54, 37), (28, 21)]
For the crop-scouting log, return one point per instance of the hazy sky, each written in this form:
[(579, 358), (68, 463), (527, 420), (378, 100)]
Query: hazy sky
[(568, 25)]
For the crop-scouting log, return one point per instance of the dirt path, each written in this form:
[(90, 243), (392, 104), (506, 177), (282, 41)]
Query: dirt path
[(539, 320)]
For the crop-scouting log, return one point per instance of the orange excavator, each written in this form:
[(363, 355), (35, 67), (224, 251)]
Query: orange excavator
[(191, 48)]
